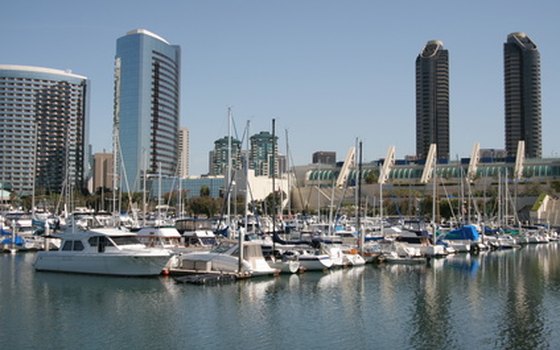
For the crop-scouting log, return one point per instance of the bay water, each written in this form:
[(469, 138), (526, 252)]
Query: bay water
[(496, 300)]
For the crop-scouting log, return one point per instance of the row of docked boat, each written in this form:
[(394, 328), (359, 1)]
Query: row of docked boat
[(90, 245)]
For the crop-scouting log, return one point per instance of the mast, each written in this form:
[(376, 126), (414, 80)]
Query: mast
[(241, 235), (384, 171), (356, 179), (159, 192), (500, 197), (359, 222), (145, 160), (506, 193), (429, 173), (273, 167), (228, 219), (289, 199), (116, 130), (34, 169)]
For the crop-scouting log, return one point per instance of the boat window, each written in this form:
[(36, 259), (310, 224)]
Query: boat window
[(93, 241), (222, 247), (208, 241), (125, 240), (78, 245), (67, 245)]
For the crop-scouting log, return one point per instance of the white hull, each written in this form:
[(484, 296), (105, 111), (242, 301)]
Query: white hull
[(315, 262), (253, 263), (355, 259), (139, 264), (290, 266), (405, 260)]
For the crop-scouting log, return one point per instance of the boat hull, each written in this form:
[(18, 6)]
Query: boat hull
[(315, 262), (102, 264)]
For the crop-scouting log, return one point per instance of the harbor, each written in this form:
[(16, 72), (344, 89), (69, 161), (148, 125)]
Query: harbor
[(497, 299)]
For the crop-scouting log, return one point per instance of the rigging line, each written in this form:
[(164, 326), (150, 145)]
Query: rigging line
[(473, 201), (448, 201), (125, 178)]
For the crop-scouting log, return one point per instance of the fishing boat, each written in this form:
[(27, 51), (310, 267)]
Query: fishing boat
[(102, 251)]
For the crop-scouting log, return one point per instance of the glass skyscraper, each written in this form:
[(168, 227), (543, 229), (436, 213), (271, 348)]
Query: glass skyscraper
[(263, 148), (432, 100), (44, 124), (219, 161), (147, 88), (522, 83)]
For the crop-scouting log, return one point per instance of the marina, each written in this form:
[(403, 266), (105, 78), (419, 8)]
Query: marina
[(495, 300)]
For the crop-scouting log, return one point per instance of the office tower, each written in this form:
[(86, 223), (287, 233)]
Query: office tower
[(147, 87), (324, 157), (432, 100), (44, 124), (219, 161), (261, 153), (183, 153), (522, 83)]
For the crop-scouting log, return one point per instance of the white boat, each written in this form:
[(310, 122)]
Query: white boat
[(354, 259), (224, 258), (342, 257), (284, 265), (314, 261), (395, 258), (399, 253), (166, 237), (103, 251)]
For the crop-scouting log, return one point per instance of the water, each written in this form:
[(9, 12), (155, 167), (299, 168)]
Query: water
[(499, 300)]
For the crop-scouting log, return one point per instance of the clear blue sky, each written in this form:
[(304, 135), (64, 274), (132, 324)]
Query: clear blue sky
[(328, 71)]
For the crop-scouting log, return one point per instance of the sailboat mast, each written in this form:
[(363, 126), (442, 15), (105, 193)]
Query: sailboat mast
[(241, 235), (228, 219), (272, 166), (359, 221), (289, 199)]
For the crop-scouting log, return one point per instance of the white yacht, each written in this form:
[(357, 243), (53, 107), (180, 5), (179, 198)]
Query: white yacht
[(224, 258), (166, 237), (103, 251), (314, 260)]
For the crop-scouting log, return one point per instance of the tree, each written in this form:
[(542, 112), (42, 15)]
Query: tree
[(371, 177), (274, 200), (204, 191), (204, 205)]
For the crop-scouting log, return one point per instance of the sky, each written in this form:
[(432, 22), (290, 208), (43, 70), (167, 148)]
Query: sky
[(329, 72)]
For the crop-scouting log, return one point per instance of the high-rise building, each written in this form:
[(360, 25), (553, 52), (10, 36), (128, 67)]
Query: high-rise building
[(220, 161), (147, 87), (183, 165), (432, 100), (44, 124), (522, 83), (324, 157), (263, 148), (102, 171)]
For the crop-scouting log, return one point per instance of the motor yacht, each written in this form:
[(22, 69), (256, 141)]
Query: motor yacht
[(103, 251)]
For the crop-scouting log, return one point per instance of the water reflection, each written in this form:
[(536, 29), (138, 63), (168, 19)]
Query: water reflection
[(508, 299)]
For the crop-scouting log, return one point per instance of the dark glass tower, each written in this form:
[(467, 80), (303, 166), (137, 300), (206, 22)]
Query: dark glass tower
[(147, 86), (522, 83), (432, 100)]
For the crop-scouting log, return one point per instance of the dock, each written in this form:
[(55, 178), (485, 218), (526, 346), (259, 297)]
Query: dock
[(206, 279)]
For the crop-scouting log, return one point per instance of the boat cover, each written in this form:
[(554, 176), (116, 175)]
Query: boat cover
[(467, 232)]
